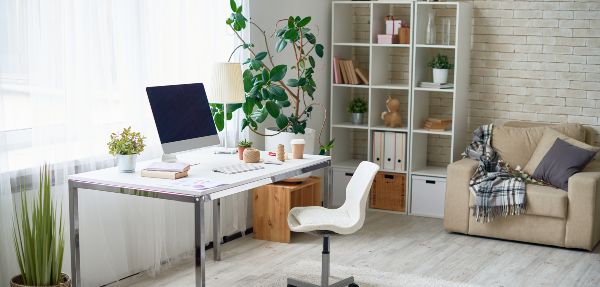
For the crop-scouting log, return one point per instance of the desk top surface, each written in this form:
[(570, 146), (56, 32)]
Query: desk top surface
[(206, 161)]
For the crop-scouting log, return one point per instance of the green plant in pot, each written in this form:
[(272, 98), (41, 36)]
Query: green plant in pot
[(126, 146), (242, 145), (39, 238), (284, 93), (440, 66), (357, 107)]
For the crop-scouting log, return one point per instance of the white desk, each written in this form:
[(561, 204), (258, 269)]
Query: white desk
[(110, 180)]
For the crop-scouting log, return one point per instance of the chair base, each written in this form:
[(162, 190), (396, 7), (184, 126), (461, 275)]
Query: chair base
[(344, 282)]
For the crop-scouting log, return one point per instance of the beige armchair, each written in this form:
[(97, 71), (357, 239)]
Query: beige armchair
[(554, 217)]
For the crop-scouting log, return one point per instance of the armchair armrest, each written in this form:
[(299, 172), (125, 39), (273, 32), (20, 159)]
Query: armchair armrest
[(456, 205), (583, 217)]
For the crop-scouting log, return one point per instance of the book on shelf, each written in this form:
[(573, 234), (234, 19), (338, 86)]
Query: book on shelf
[(431, 85), (337, 73), (364, 78), (164, 174), (345, 72), (437, 125)]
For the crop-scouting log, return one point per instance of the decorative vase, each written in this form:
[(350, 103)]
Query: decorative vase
[(430, 36), (241, 152), (357, 118), (285, 138), (440, 76), (126, 162), (17, 281)]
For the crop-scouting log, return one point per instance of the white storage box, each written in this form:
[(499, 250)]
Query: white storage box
[(428, 194), (341, 178), (392, 26)]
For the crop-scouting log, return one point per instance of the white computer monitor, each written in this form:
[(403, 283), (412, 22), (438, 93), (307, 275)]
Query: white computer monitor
[(182, 117)]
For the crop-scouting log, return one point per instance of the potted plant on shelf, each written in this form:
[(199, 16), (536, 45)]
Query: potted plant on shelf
[(126, 146), (39, 239), (272, 92), (357, 107), (440, 65), (242, 145)]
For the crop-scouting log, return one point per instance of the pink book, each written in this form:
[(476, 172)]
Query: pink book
[(337, 76)]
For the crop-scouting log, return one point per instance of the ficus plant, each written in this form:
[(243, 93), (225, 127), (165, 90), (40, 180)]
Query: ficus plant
[(279, 91)]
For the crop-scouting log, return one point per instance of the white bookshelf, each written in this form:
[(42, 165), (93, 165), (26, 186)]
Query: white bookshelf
[(396, 70)]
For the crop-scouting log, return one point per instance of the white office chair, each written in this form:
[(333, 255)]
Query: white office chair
[(347, 219)]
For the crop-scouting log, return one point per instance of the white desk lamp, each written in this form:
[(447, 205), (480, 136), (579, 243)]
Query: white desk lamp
[(226, 87)]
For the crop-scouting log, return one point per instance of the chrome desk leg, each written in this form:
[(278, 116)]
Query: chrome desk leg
[(199, 241), (217, 229), (74, 234)]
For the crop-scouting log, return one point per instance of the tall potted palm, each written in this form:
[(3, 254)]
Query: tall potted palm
[(39, 239), (285, 93)]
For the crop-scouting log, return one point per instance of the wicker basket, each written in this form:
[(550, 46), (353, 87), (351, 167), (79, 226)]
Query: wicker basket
[(251, 155), (17, 281)]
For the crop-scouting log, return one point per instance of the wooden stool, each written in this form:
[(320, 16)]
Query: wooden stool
[(272, 203)]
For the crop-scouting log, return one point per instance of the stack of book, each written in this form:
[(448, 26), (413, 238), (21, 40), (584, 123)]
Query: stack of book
[(166, 170), (431, 85), (438, 125), (345, 72)]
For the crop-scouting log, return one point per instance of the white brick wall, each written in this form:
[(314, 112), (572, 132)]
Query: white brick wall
[(535, 61)]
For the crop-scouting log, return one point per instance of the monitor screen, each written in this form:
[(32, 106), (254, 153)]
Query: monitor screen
[(181, 112)]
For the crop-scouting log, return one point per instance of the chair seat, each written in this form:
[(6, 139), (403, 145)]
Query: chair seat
[(542, 201), (317, 218)]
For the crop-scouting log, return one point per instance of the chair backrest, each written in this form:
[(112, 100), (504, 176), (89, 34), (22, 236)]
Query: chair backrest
[(357, 193)]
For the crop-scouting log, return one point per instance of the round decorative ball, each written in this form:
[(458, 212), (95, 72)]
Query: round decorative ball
[(251, 155)]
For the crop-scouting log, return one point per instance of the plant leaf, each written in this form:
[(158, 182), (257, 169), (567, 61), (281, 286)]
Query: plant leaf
[(282, 121), (273, 109), (292, 82), (260, 56), (278, 93), (304, 22), (281, 45), (233, 5), (312, 61), (291, 22), (319, 50), (278, 73), (248, 106), (219, 121)]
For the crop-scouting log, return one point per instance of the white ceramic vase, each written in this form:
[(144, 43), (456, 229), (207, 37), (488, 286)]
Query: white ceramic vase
[(285, 138), (440, 76), (126, 162)]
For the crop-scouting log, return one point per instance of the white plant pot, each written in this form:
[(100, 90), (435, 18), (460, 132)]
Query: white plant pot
[(440, 76), (126, 162), (285, 138)]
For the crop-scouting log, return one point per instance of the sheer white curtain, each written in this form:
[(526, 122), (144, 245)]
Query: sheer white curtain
[(71, 72)]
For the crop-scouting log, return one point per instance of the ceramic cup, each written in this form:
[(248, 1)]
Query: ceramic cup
[(298, 148)]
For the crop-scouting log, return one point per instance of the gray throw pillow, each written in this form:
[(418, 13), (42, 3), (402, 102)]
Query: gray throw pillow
[(561, 162)]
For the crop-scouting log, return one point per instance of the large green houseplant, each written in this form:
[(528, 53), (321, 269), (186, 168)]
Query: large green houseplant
[(269, 93), (39, 239)]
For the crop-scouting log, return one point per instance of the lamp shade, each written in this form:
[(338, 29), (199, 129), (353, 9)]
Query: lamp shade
[(226, 85)]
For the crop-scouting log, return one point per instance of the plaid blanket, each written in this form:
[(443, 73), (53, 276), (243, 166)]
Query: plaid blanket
[(497, 191)]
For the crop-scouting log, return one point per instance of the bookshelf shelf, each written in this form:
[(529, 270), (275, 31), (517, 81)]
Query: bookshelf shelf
[(396, 71)]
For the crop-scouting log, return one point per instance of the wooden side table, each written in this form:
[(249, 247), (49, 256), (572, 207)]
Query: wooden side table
[(272, 203)]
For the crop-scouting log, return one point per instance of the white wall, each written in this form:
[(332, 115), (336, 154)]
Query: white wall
[(266, 13)]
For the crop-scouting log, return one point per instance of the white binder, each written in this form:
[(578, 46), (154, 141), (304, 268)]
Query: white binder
[(389, 151), (378, 148), (400, 153)]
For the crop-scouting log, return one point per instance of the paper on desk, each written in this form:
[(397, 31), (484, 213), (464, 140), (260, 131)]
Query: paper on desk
[(195, 183)]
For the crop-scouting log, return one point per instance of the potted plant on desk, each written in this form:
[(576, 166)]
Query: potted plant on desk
[(357, 107), (440, 66), (39, 239), (126, 146), (242, 145)]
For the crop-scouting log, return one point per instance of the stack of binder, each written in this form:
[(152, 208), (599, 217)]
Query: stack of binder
[(389, 150)]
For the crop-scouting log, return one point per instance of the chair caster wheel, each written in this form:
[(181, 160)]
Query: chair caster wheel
[(352, 285)]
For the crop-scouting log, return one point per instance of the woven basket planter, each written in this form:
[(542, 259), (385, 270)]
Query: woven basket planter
[(17, 281)]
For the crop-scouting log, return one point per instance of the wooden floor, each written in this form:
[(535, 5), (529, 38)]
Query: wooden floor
[(405, 244)]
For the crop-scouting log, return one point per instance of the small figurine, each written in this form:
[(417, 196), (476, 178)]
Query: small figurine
[(280, 152), (392, 117)]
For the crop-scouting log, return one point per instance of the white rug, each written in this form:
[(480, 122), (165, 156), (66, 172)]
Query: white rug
[(310, 271)]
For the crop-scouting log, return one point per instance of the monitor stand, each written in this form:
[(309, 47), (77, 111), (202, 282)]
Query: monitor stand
[(225, 150), (169, 157)]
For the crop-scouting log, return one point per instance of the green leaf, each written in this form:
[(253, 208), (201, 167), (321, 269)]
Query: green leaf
[(311, 38), (281, 45), (260, 56), (239, 9), (284, 104), (304, 22), (229, 21), (265, 75), (302, 82), (245, 123), (278, 93), (248, 85), (292, 82), (282, 121), (233, 5), (273, 109), (265, 94), (219, 121), (248, 106), (291, 34), (260, 115), (319, 50), (291, 22), (278, 73), (312, 61)]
